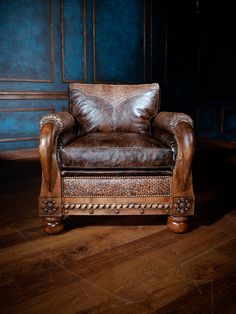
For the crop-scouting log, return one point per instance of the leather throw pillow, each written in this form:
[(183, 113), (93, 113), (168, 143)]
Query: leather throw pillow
[(114, 108)]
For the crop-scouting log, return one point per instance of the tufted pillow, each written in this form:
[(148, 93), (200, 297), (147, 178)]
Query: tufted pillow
[(114, 108)]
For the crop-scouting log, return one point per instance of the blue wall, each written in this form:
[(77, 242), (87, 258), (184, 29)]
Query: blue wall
[(123, 20), (45, 44)]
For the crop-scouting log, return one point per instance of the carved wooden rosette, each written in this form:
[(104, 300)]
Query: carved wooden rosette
[(50, 207), (183, 206)]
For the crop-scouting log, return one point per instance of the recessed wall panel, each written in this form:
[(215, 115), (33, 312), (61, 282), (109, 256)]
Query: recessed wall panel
[(26, 47), (73, 40), (19, 121), (118, 40)]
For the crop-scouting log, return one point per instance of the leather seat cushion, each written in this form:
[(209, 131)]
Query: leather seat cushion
[(116, 150)]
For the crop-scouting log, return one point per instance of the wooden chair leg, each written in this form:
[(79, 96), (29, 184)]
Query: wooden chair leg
[(52, 225), (177, 224)]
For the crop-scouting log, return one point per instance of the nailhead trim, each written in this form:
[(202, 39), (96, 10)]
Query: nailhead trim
[(52, 118)]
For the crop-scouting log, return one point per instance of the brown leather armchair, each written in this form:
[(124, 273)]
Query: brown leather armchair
[(116, 154)]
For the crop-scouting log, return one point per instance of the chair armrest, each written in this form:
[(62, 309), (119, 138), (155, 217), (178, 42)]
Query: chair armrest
[(180, 126), (51, 126), (169, 120), (62, 121)]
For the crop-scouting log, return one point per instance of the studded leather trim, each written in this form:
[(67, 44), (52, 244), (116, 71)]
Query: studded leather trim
[(169, 120), (63, 120)]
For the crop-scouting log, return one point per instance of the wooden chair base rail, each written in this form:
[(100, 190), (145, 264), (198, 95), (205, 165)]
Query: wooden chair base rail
[(54, 225)]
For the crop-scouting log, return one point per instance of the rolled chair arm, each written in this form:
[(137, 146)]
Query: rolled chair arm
[(62, 121), (180, 125), (51, 126), (169, 120)]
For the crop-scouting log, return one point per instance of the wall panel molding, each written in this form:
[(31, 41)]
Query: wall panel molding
[(200, 111), (225, 127), (33, 95), (51, 109), (18, 139)]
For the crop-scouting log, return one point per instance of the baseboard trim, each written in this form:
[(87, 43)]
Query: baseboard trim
[(217, 143), (33, 95), (31, 153)]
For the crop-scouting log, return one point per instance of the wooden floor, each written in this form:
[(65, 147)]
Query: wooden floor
[(120, 264)]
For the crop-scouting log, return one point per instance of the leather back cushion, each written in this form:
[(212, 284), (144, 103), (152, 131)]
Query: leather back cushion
[(114, 108)]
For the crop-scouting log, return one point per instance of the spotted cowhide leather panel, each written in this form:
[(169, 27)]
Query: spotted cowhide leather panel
[(129, 186)]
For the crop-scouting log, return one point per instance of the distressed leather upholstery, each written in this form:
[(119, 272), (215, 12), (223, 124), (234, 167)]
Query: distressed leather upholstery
[(116, 150), (115, 153)]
